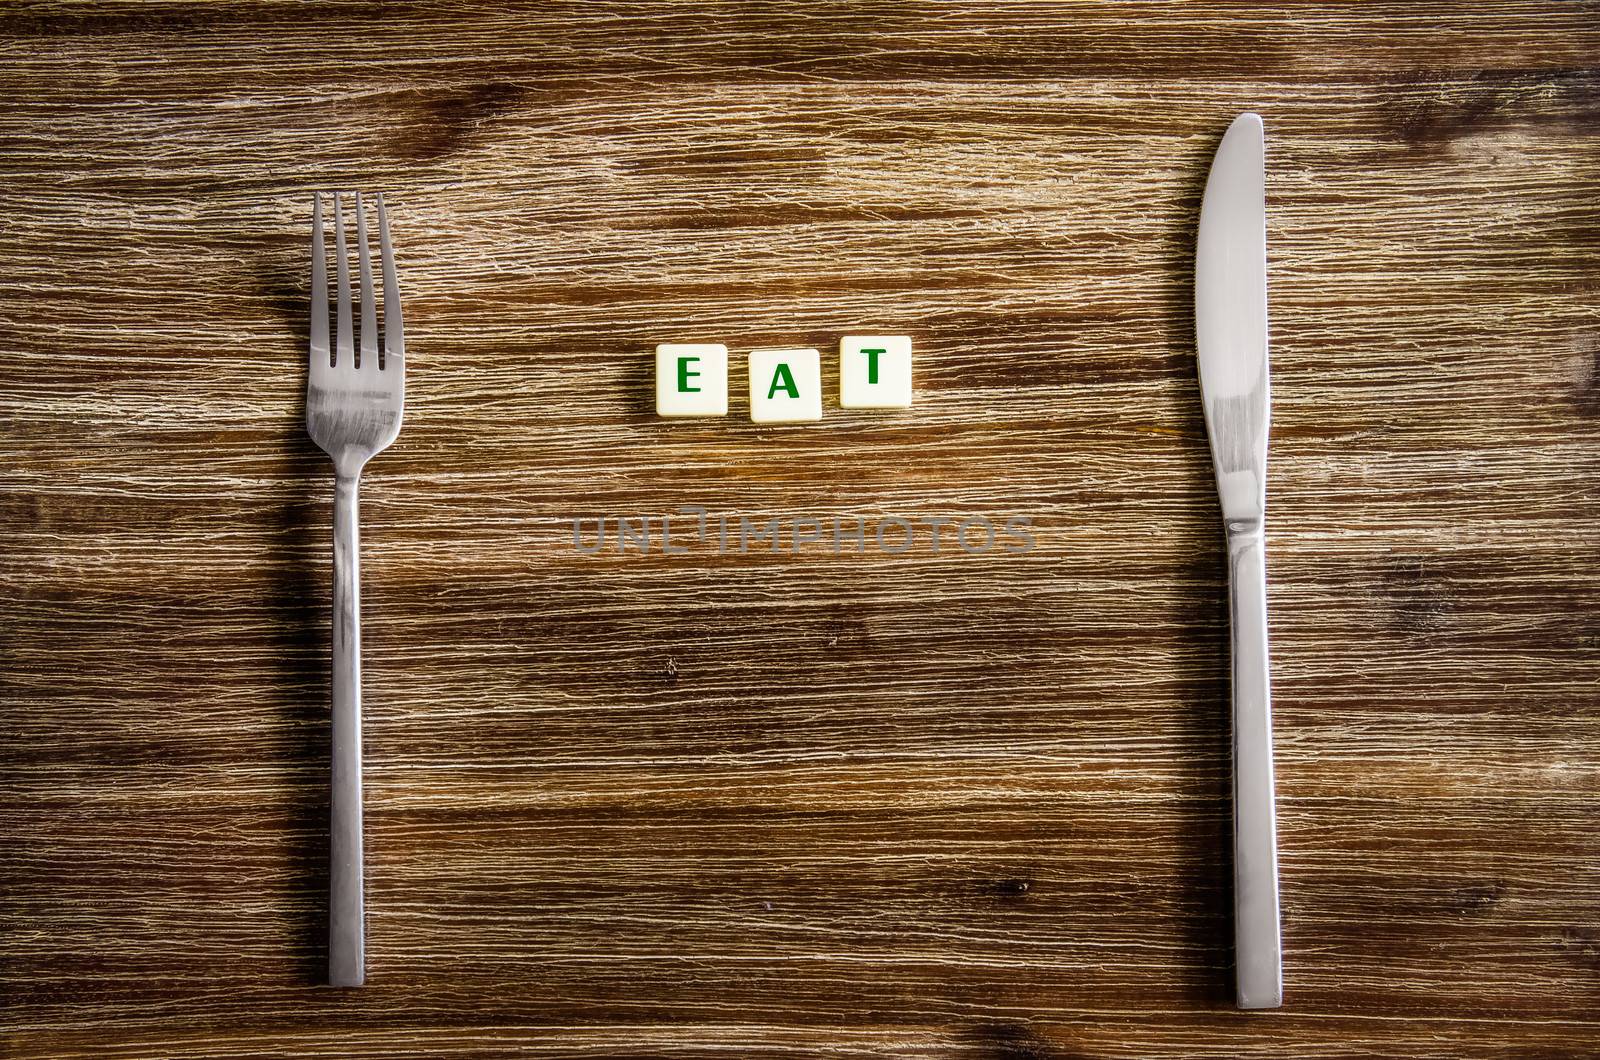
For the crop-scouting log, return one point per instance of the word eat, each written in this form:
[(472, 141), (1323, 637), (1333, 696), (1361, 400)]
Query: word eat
[(785, 385)]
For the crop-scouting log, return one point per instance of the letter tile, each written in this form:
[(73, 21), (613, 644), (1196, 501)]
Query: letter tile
[(785, 386), (875, 372), (691, 379)]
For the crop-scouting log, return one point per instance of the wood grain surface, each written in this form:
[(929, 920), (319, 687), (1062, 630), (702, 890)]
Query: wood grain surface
[(791, 803)]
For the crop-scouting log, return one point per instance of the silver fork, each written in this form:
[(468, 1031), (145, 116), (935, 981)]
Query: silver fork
[(353, 406)]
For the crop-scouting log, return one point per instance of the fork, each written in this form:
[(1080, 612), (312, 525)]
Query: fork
[(353, 406)]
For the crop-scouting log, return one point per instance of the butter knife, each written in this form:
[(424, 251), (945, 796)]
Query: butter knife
[(1230, 300)]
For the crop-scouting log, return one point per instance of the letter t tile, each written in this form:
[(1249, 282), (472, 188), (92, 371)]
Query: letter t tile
[(875, 372)]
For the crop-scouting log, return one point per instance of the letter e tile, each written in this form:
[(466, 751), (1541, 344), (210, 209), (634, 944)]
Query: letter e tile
[(691, 379)]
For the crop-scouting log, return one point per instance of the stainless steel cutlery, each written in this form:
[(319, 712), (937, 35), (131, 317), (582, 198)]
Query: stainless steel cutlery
[(1230, 299), (354, 399), (356, 394)]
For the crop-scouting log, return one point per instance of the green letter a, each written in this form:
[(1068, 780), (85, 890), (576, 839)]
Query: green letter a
[(784, 380)]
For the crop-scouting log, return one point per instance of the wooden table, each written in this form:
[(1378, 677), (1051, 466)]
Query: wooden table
[(796, 803)]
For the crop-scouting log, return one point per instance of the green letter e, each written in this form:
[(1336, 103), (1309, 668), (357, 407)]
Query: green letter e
[(684, 375)]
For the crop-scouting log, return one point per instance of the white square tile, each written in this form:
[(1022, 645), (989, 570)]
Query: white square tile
[(875, 372), (691, 379), (785, 386)]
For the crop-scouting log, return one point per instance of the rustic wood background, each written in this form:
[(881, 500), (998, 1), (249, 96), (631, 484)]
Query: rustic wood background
[(797, 804)]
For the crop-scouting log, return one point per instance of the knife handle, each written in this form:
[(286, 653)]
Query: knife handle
[(1257, 945)]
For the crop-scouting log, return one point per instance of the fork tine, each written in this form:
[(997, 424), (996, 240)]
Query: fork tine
[(394, 332), (321, 356), (369, 304), (345, 339)]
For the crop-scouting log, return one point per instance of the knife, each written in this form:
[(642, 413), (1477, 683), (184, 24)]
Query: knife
[(1230, 308)]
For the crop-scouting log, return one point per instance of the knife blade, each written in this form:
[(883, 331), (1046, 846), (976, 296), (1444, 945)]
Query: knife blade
[(1230, 299)]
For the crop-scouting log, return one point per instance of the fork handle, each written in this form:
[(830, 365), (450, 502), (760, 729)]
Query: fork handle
[(1257, 945), (346, 927)]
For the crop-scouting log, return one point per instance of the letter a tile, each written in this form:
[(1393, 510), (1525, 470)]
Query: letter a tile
[(785, 386)]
